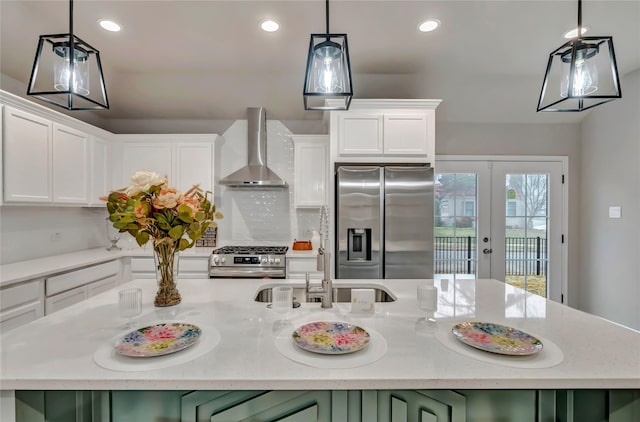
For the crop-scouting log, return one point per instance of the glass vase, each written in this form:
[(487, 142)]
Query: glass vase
[(166, 256)]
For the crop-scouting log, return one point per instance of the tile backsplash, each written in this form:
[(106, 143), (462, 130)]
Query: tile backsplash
[(259, 216)]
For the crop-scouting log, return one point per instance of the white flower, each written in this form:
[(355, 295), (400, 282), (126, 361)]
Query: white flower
[(142, 181)]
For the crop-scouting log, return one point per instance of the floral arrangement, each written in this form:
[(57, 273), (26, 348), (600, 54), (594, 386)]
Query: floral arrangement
[(150, 209)]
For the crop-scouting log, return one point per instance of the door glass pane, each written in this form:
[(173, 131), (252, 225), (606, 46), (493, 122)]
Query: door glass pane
[(526, 231), (455, 224)]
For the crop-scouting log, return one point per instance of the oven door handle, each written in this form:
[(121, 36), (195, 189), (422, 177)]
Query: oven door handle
[(245, 273)]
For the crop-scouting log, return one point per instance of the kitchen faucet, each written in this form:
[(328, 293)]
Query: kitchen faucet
[(325, 292)]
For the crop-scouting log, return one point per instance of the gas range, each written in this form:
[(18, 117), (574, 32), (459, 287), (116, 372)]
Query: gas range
[(248, 262)]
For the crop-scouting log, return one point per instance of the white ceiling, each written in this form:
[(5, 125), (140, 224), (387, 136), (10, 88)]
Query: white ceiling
[(208, 59)]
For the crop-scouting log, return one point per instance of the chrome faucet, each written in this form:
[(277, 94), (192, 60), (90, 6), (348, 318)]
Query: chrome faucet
[(325, 291)]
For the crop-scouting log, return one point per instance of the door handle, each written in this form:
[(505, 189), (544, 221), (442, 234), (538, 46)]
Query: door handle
[(487, 251)]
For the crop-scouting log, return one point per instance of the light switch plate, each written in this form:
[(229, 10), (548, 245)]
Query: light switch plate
[(615, 212)]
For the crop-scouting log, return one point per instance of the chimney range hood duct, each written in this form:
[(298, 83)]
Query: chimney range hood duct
[(256, 174)]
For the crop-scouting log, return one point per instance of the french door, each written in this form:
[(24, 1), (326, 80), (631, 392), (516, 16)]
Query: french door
[(502, 218)]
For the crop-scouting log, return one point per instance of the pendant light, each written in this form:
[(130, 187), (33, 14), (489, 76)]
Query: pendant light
[(581, 74), (67, 72), (328, 71)]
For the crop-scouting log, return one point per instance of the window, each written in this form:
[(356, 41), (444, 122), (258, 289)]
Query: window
[(511, 209), (469, 208)]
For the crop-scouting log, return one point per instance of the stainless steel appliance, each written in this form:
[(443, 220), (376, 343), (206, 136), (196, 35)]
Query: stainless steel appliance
[(248, 262), (255, 174), (384, 221)]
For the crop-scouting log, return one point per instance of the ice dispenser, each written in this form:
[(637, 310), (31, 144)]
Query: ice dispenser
[(358, 244)]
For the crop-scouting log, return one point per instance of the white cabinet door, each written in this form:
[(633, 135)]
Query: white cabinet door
[(185, 163), (64, 299), (26, 157), (70, 168), (193, 165), (360, 134), (311, 167), (405, 134), (101, 286), (21, 303), (148, 157), (100, 172)]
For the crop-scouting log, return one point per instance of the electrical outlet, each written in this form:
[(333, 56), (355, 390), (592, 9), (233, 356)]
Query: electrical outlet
[(56, 236)]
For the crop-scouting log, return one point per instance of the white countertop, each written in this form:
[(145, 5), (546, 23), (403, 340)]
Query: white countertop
[(42, 267), (56, 352)]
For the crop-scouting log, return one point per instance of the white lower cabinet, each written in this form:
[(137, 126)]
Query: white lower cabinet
[(21, 303), (66, 289)]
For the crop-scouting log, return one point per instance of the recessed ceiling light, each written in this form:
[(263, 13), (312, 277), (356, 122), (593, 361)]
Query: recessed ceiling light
[(574, 32), (429, 25), (109, 25), (269, 25)]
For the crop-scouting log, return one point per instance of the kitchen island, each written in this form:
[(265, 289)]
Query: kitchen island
[(59, 352)]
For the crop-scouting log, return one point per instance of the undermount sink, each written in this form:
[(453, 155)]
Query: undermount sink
[(341, 294)]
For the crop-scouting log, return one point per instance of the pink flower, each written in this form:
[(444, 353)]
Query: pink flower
[(140, 210), (192, 203), (167, 198)]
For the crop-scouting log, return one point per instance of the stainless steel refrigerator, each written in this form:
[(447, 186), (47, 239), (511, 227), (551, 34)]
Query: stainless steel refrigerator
[(384, 221)]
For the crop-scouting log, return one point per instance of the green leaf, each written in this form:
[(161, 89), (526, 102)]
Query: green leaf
[(185, 217), (142, 238), (184, 244), (176, 232)]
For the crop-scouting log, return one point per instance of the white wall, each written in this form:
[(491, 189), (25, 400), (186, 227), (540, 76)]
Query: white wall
[(28, 232), (610, 176)]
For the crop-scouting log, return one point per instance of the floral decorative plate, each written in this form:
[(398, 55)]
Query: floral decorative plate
[(159, 339), (496, 338), (331, 338)]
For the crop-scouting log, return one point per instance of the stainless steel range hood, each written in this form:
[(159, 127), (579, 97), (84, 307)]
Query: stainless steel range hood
[(255, 174)]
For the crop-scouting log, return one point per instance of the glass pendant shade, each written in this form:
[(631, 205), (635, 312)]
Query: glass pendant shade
[(71, 75), (328, 72), (581, 74), (67, 72)]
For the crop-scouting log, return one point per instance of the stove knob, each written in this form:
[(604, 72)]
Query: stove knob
[(264, 260), (215, 259), (270, 260), (277, 261), (223, 260)]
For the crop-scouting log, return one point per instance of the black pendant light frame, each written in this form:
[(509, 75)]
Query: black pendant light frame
[(327, 40), (580, 48), (58, 43)]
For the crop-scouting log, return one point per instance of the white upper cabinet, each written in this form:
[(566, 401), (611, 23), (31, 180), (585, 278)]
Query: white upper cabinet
[(48, 158), (150, 156), (186, 160), (100, 180), (26, 157), (311, 167), (384, 131), (360, 133), (407, 134), (193, 165), (70, 166)]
